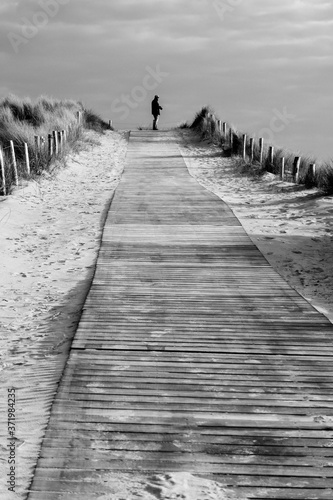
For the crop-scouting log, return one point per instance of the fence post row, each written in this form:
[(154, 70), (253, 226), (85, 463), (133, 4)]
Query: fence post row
[(56, 143), (222, 127)]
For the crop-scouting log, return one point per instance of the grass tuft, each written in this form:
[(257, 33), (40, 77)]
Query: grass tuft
[(206, 123), (183, 125), (324, 177), (21, 119), (94, 121)]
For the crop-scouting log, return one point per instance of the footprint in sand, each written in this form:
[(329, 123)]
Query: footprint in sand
[(185, 486)]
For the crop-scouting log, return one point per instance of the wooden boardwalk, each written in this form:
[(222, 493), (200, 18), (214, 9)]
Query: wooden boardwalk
[(192, 353)]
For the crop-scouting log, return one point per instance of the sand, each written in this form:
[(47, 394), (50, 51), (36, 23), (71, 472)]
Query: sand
[(49, 241), (50, 237), (173, 486)]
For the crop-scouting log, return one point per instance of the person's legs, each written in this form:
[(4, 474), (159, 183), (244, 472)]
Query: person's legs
[(155, 122)]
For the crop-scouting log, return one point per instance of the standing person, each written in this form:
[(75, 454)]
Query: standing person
[(155, 111)]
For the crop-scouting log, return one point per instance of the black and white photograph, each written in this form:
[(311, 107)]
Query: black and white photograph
[(166, 250)]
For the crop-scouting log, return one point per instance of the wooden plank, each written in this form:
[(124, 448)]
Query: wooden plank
[(204, 419), (125, 389), (165, 430), (109, 457), (255, 493), (223, 444), (171, 462)]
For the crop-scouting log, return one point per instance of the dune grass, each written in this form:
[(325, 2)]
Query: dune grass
[(23, 119), (206, 123)]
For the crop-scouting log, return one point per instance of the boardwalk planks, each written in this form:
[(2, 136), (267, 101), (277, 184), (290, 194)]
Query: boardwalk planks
[(192, 354)]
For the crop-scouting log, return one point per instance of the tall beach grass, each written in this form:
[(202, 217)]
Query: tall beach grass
[(21, 119), (206, 123)]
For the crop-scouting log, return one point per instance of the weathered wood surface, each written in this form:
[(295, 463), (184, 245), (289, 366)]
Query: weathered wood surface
[(192, 354)]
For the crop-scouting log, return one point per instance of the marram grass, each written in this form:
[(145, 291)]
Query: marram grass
[(21, 119), (205, 123)]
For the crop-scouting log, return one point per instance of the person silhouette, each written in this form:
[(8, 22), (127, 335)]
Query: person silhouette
[(155, 111)]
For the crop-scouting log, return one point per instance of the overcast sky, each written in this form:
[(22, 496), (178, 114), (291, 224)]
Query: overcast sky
[(264, 65)]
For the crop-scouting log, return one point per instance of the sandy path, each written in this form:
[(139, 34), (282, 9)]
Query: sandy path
[(292, 227), (50, 234)]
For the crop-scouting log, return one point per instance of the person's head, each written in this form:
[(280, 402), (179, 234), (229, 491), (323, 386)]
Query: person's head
[(156, 97)]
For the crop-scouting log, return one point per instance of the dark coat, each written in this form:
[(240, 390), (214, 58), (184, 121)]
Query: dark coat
[(155, 107)]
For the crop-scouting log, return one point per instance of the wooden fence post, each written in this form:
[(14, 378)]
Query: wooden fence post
[(27, 159), (261, 149), (110, 124), (64, 132), (213, 124), (313, 170), (282, 168), (12, 152), (3, 173), (271, 155), (37, 143), (79, 117), (224, 128), (296, 168), (219, 125), (50, 145), (60, 142), (55, 141), (231, 137), (63, 138), (251, 149), (244, 147)]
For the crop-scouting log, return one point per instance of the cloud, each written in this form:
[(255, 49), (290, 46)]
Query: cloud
[(258, 56)]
